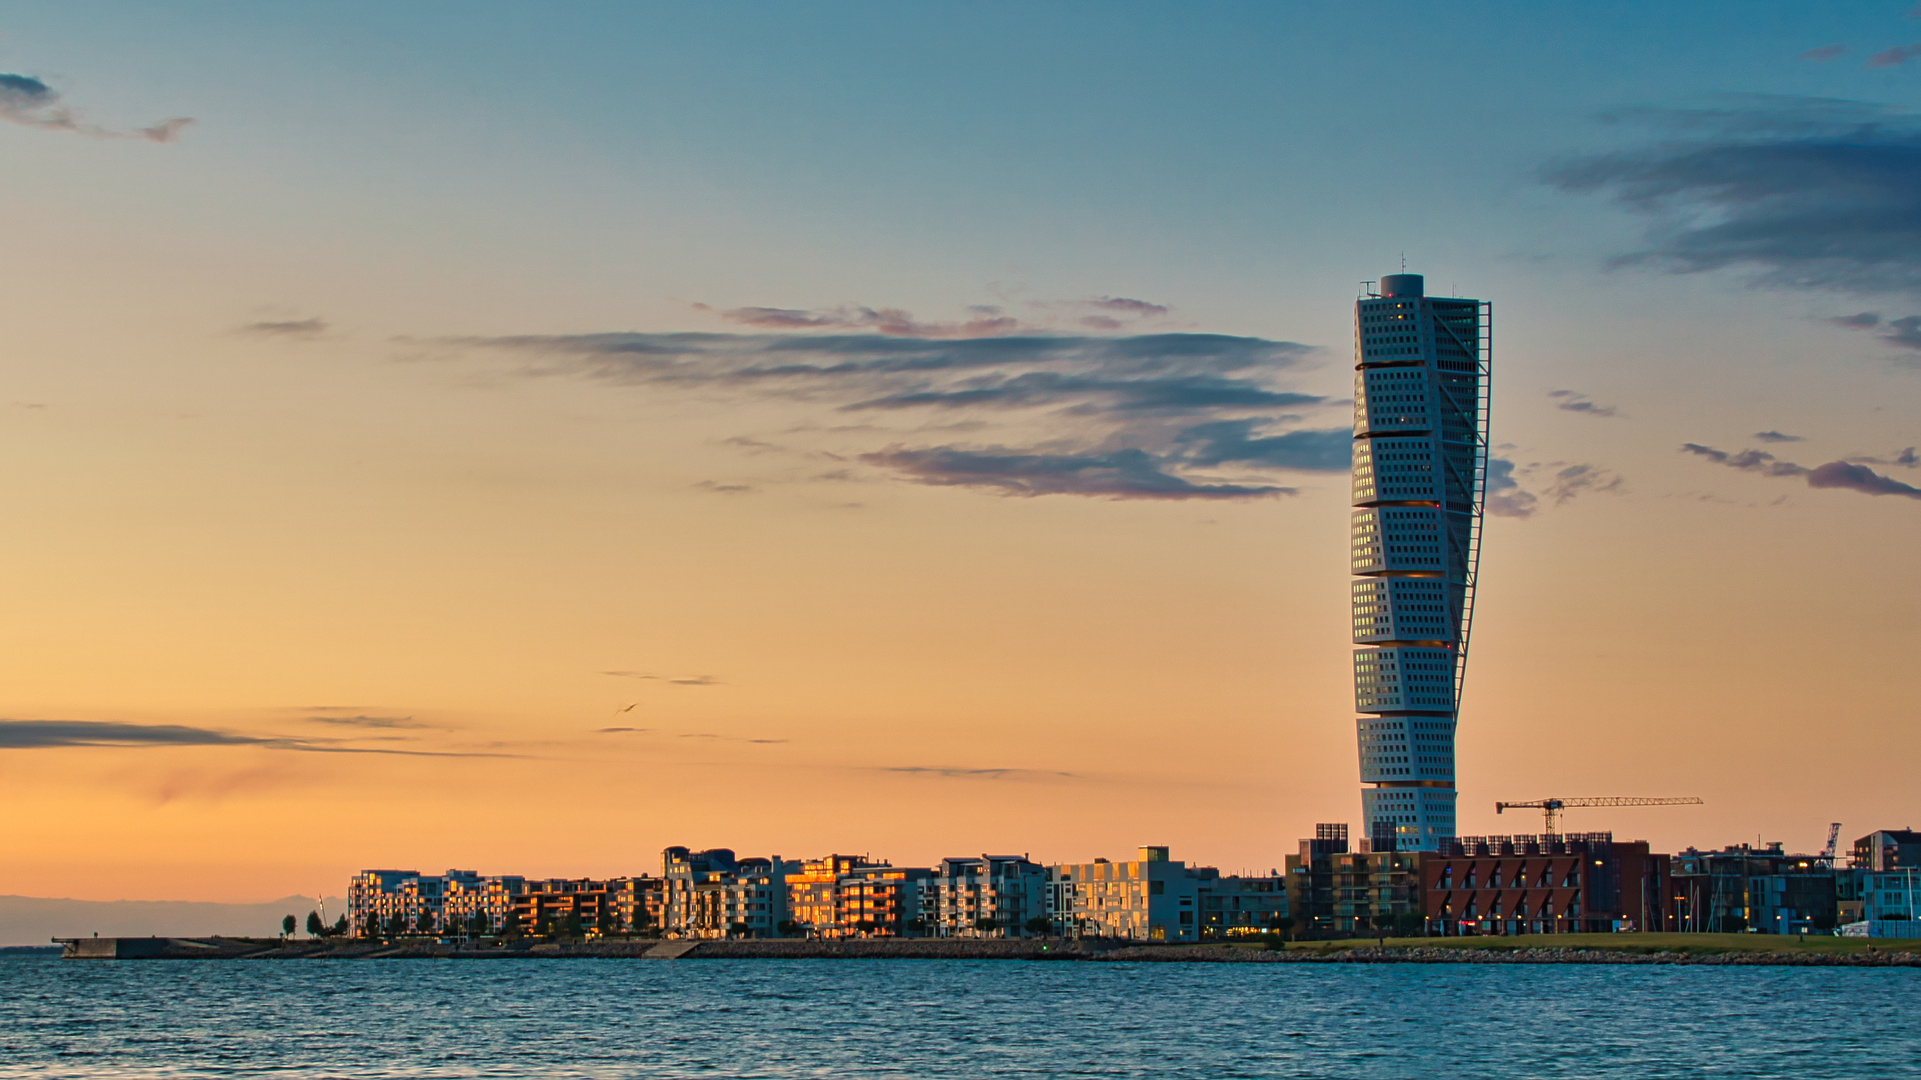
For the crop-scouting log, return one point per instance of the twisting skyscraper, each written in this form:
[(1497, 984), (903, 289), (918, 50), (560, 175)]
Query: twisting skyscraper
[(1420, 471)]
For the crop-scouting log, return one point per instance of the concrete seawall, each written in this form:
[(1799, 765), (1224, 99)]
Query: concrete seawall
[(1031, 949)]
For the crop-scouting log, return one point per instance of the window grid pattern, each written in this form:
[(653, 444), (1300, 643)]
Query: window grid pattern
[(1419, 469)]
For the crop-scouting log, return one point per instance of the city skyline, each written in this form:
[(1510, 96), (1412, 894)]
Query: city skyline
[(471, 436)]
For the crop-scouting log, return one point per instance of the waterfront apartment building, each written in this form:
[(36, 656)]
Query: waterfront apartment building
[(841, 896), (1716, 892), (1335, 892), (884, 901), (1807, 902), (813, 894), (713, 894), (383, 902), (1155, 898), (985, 896), (1891, 904), (1572, 883), (1419, 473), (1888, 849), (1151, 898), (1242, 906), (628, 905)]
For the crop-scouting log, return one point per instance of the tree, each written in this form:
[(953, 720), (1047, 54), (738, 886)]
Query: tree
[(1410, 923), (315, 928), (1282, 924), (425, 923), (1039, 924), (477, 923), (286, 926), (509, 924), (740, 929), (1382, 924), (786, 927), (543, 925), (339, 928), (985, 925), (572, 924), (397, 925)]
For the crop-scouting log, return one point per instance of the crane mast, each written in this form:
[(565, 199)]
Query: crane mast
[(1834, 834)]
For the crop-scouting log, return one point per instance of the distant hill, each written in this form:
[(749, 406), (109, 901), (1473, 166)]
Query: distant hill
[(32, 920)]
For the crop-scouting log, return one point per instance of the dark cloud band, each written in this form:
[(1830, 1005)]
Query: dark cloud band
[(51, 734), (1845, 475), (1122, 474), (1806, 193), (1145, 410)]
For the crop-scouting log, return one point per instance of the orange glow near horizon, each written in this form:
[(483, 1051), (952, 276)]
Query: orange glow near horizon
[(724, 453)]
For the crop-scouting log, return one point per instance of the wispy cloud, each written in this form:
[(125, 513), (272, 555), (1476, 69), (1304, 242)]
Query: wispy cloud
[(1121, 416), (1805, 193), (986, 321), (1776, 437), (671, 680), (966, 773), (1122, 305), (1572, 480), (1904, 332), (1120, 474), (716, 488), (1223, 442), (1172, 393), (1823, 53), (1906, 458), (982, 320), (48, 734), (213, 785), (29, 102), (1894, 57), (1865, 320), (1846, 475), (1758, 461), (1505, 496), (1576, 402), (303, 329), (1558, 481), (369, 721)]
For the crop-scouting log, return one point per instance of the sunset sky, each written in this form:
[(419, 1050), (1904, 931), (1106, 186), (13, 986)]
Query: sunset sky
[(522, 437)]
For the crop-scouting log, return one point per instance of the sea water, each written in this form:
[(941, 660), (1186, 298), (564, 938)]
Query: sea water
[(950, 1018)]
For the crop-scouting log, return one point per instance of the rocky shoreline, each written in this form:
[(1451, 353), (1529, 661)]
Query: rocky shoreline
[(1031, 949)]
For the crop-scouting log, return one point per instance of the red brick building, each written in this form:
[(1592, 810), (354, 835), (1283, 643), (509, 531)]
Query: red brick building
[(1574, 883)]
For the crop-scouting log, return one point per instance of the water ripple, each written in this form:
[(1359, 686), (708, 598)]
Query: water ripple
[(599, 1020)]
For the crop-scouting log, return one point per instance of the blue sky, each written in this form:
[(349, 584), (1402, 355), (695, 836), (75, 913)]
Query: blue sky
[(1238, 153)]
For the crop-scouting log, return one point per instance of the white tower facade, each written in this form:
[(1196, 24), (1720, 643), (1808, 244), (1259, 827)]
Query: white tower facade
[(1420, 474)]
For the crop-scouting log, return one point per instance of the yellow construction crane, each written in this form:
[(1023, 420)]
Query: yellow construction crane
[(1553, 807)]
